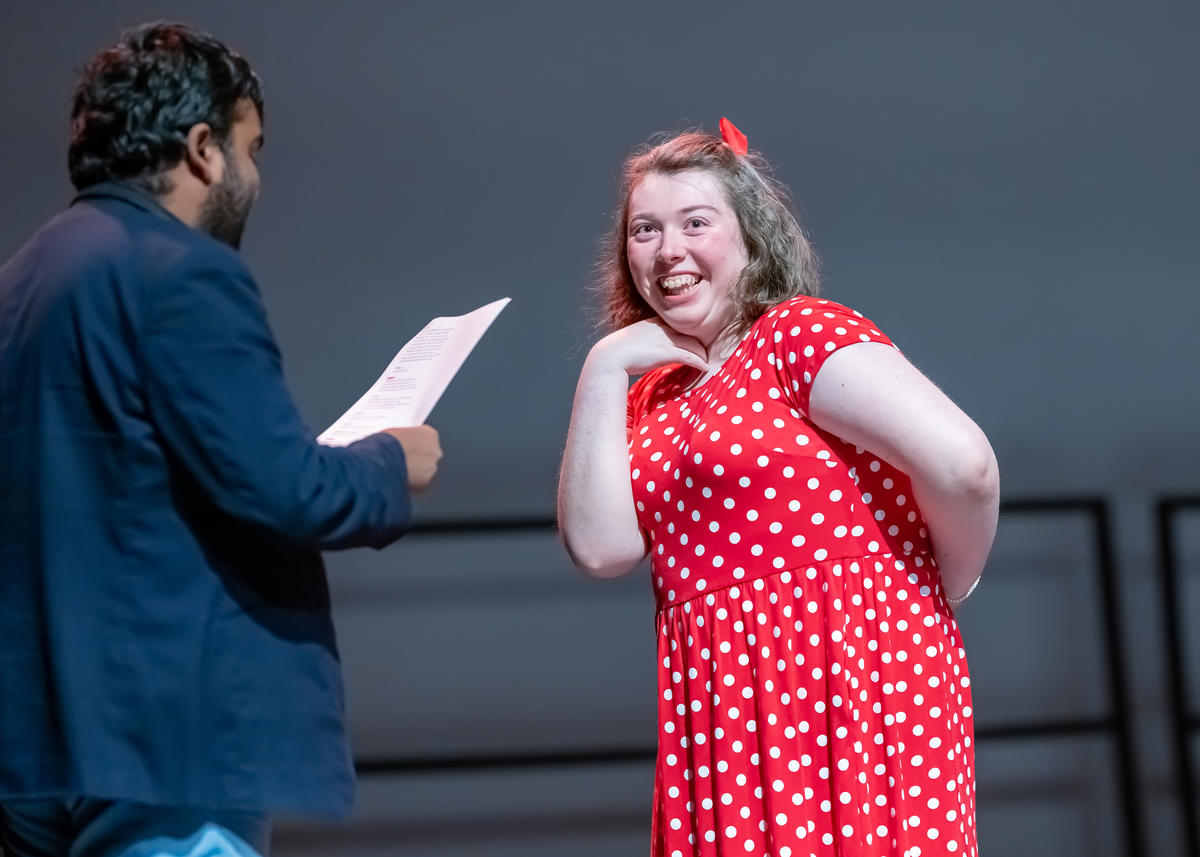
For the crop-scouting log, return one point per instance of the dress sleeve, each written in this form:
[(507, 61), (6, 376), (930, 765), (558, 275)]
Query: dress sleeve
[(805, 331), (641, 396)]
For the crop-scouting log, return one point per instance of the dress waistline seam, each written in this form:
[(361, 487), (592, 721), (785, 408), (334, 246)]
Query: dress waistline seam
[(793, 568)]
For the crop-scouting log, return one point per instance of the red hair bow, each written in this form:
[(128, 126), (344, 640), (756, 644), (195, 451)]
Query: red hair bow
[(734, 138)]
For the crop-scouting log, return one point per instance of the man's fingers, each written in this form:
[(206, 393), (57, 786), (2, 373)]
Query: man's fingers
[(422, 452)]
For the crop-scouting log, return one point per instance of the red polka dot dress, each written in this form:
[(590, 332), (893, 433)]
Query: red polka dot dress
[(813, 689)]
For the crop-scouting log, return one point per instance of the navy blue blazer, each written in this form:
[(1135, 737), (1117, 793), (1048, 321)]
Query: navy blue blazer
[(165, 634)]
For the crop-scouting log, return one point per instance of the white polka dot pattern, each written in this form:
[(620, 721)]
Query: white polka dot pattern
[(813, 690)]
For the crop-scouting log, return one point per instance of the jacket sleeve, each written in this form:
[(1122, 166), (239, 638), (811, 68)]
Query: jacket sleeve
[(217, 396)]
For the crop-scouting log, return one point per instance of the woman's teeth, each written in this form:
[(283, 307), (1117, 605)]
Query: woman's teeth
[(678, 284)]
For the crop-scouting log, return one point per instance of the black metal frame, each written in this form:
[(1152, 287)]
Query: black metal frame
[(1117, 724), (1184, 722)]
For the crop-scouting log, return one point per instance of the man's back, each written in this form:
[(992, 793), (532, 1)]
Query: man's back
[(167, 632)]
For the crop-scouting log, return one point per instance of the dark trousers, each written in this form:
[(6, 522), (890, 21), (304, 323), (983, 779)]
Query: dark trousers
[(88, 827)]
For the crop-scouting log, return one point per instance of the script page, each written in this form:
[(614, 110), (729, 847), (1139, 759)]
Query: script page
[(415, 379)]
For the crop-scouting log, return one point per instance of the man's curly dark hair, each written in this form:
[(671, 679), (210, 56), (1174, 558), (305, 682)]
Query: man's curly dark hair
[(136, 101)]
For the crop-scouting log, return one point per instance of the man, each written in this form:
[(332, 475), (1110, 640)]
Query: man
[(168, 671)]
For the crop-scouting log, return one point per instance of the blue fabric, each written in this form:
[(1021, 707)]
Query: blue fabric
[(85, 827), (165, 614)]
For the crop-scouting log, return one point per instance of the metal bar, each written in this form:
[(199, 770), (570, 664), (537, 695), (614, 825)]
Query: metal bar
[(1119, 723), (532, 759), (1181, 720), (1179, 502), (469, 526), (1049, 504), (1118, 683), (1046, 729), (616, 755)]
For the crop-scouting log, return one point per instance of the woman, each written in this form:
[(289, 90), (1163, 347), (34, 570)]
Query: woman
[(812, 506)]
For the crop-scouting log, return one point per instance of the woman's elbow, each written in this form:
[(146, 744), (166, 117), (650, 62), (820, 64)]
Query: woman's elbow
[(974, 473), (602, 563), (607, 570)]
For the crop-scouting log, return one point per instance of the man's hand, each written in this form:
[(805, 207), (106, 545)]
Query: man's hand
[(422, 452)]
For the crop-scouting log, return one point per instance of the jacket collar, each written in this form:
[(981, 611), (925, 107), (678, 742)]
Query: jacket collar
[(127, 193)]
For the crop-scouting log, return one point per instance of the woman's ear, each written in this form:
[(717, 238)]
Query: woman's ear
[(204, 157)]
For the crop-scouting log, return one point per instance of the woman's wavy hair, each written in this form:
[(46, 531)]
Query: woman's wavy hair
[(781, 263), (136, 101)]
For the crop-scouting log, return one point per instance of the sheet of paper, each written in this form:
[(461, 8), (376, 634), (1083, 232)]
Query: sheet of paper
[(416, 378)]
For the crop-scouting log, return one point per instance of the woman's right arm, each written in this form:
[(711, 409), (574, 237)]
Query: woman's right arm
[(596, 514)]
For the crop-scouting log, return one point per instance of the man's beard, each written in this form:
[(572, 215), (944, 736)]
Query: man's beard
[(224, 213)]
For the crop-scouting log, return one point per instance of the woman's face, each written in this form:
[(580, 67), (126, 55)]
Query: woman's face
[(685, 250)]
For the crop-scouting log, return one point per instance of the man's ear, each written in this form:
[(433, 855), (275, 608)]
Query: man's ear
[(204, 157)]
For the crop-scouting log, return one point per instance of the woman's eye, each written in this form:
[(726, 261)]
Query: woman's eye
[(641, 229), (695, 223)]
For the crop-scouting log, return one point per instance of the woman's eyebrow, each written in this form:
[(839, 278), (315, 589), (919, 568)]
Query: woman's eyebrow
[(687, 210)]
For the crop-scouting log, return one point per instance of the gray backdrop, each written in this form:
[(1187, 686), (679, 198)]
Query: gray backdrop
[(1007, 189)]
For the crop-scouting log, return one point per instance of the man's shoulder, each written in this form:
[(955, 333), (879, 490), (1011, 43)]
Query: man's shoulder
[(156, 245)]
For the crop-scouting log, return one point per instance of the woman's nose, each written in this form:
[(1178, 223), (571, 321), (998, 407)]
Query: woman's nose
[(670, 248)]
